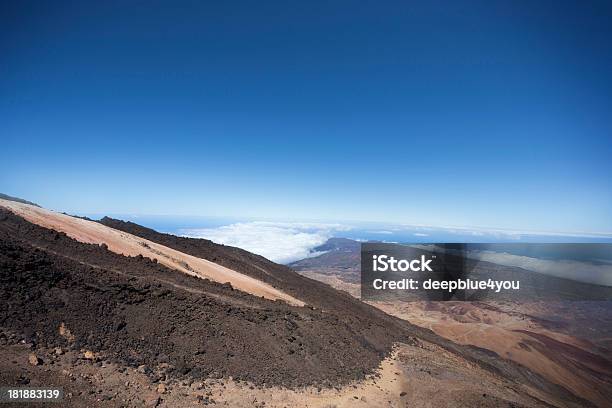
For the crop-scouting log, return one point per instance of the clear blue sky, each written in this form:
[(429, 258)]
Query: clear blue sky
[(473, 113)]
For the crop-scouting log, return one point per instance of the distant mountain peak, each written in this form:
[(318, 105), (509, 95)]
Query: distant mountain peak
[(17, 199), (337, 244)]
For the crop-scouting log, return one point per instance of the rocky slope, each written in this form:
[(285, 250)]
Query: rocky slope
[(125, 329), (568, 343)]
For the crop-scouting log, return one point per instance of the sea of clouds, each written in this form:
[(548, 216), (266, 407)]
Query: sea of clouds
[(285, 242), (599, 274), (281, 242)]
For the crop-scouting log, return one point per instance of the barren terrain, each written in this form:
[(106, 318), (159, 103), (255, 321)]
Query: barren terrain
[(126, 244), (121, 328), (419, 374), (565, 342)]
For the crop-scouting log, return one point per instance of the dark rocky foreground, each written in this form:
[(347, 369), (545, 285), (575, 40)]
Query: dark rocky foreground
[(139, 312), (282, 277), (132, 312), (323, 296)]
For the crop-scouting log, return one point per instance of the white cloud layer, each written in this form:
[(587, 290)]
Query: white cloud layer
[(505, 234), (599, 273), (575, 270), (280, 242)]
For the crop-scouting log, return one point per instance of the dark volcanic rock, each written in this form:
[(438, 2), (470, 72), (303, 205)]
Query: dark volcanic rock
[(134, 311), (280, 276), (137, 312)]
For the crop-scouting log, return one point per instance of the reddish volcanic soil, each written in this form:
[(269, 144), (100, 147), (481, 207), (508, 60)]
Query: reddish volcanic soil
[(126, 244), (568, 343), (126, 329)]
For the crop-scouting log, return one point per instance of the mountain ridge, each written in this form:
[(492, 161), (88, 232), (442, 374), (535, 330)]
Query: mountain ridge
[(133, 311)]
